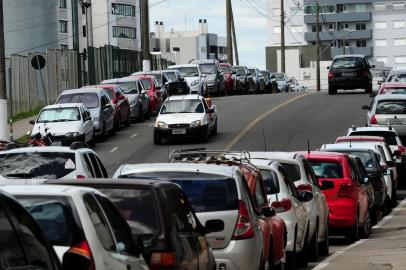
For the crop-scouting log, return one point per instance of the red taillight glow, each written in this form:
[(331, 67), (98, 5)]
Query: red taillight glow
[(330, 75), (346, 191), (83, 249), (162, 260), (80, 177), (373, 120), (244, 228), (282, 206), (304, 187), (401, 149)]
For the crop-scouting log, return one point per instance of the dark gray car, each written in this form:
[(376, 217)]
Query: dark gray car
[(214, 76)]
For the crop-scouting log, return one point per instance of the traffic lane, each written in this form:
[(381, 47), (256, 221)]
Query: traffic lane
[(234, 114), (318, 118)]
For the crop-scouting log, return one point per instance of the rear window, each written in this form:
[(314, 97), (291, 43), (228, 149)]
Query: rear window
[(391, 107), (348, 62), (399, 91), (293, 171), (90, 100), (147, 84), (44, 165), (365, 156), (389, 136), (397, 78), (327, 169), (138, 207), (206, 192)]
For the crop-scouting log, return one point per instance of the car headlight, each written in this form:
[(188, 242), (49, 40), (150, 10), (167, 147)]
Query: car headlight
[(194, 83), (161, 125), (72, 134), (197, 123)]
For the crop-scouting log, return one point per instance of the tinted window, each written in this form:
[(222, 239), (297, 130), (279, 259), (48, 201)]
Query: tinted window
[(327, 169), (280, 77), (171, 76), (208, 68), (188, 71), (389, 136), (128, 87), (293, 170), (90, 100), (397, 78), (89, 164), (401, 91), (95, 166), (59, 115), (101, 166), (365, 156), (270, 180), (240, 71), (259, 194), (391, 107), (48, 165), (182, 106), (348, 62)]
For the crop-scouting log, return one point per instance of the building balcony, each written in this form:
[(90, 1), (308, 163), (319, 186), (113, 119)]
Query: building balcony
[(340, 17), (344, 34), (335, 2), (367, 51)]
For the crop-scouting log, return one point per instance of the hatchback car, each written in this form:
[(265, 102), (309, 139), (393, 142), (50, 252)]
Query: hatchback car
[(215, 82), (194, 76), (397, 74), (82, 220), (67, 123), (215, 192), (243, 80), (349, 72), (153, 88), (259, 80), (99, 104), (228, 78), (283, 82), (392, 88)]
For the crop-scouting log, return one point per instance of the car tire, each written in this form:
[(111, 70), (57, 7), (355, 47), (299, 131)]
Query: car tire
[(140, 117), (314, 245), (157, 139), (324, 246), (352, 234), (92, 142), (117, 123), (304, 254), (128, 121), (147, 115), (332, 90), (365, 230)]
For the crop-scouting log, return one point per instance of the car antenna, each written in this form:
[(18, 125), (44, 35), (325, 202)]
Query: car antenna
[(263, 135), (308, 146)]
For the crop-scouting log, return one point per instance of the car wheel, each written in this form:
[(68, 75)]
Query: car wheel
[(314, 245), (117, 123), (366, 227), (214, 131), (157, 139), (304, 255), (352, 234), (92, 142), (332, 90), (324, 247), (147, 115)]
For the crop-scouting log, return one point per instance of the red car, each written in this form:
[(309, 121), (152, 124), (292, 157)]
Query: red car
[(154, 92), (226, 68), (122, 105), (348, 200), (392, 88)]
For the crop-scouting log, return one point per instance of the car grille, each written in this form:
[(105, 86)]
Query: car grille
[(179, 125)]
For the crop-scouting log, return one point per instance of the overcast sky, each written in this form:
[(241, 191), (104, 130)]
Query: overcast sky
[(251, 27)]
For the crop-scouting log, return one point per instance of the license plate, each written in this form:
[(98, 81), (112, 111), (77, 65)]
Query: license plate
[(347, 74), (179, 131), (395, 121)]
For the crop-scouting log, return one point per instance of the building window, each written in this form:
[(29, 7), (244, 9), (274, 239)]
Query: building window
[(277, 29), (314, 28), (361, 8), (124, 32), (341, 43), (380, 25), (342, 8), (343, 26), (399, 24), (63, 26), (296, 29), (123, 9), (311, 10), (398, 6), (331, 26), (380, 7), (382, 59), (360, 26), (64, 47), (399, 42), (361, 43), (381, 42), (62, 3), (400, 59)]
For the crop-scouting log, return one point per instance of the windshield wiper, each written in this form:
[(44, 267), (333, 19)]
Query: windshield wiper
[(21, 175)]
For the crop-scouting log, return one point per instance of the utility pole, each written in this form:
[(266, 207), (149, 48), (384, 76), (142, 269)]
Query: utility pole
[(237, 62), (3, 95), (228, 31), (87, 5), (282, 36), (343, 45), (146, 56), (317, 45)]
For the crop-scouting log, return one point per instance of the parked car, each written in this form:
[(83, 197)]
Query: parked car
[(67, 123), (215, 192), (162, 221), (215, 82), (296, 87), (194, 76), (228, 78), (347, 200), (271, 85), (99, 104), (81, 220), (259, 80), (283, 82), (153, 89), (392, 88), (349, 72), (54, 162), (121, 104), (397, 74), (243, 80), (185, 116), (137, 96)]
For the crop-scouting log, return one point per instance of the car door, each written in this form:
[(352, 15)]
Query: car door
[(87, 124), (363, 204), (110, 110), (97, 171), (143, 97)]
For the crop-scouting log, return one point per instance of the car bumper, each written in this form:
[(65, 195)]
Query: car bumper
[(239, 254), (67, 141), (195, 89), (168, 133), (349, 84), (342, 213)]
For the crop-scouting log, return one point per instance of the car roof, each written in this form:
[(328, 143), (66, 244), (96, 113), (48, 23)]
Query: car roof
[(325, 154), (102, 86), (83, 90), (63, 105), (55, 190), (182, 97), (393, 85), (48, 149), (118, 80), (143, 183), (361, 138), (205, 61), (351, 146), (349, 56), (272, 155), (390, 97), (381, 128), (143, 76), (183, 65)]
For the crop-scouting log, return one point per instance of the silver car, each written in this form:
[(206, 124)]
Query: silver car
[(283, 82), (215, 77), (215, 192), (194, 77)]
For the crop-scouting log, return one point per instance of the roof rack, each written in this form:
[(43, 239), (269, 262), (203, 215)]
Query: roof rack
[(210, 156)]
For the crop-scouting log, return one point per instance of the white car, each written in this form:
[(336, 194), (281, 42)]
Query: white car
[(82, 220), (194, 76), (67, 123), (35, 164), (290, 206), (185, 116)]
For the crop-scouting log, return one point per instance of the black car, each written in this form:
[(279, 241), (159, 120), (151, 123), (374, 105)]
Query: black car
[(270, 80), (349, 72), (162, 221), (243, 79)]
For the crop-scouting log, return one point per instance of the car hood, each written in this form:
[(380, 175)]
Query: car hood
[(189, 80), (57, 128), (179, 118), (95, 112)]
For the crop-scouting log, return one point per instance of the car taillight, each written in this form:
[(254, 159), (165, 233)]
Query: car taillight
[(244, 228), (346, 191), (282, 206), (304, 187), (83, 250), (373, 120), (162, 260), (80, 177), (330, 75), (401, 149), (115, 101)]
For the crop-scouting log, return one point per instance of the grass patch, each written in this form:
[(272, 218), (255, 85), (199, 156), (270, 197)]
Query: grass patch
[(23, 140), (24, 115)]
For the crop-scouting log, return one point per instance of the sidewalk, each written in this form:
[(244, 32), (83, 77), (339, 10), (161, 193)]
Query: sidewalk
[(21, 127), (385, 249)]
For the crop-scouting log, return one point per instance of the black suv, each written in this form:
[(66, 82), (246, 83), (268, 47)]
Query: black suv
[(349, 72)]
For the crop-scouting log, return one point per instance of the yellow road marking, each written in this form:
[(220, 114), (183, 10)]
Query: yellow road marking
[(259, 118)]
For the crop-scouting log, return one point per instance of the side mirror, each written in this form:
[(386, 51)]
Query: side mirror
[(75, 260), (305, 196), (372, 66), (268, 211), (325, 184), (121, 97), (107, 106), (211, 110), (32, 122), (182, 79), (328, 67), (365, 107), (214, 225), (366, 180)]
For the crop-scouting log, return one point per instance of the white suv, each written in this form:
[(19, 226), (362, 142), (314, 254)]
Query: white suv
[(35, 164), (81, 220)]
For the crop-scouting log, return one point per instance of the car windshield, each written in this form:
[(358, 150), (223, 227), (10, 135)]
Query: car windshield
[(182, 106), (401, 91), (323, 169), (137, 206), (206, 192), (390, 137), (59, 115), (188, 71), (365, 156), (54, 215), (280, 77), (397, 78), (225, 68), (171, 76), (347, 62), (391, 107), (240, 71), (252, 71), (293, 170), (128, 88), (90, 100), (208, 68), (147, 84), (43, 165), (158, 77)]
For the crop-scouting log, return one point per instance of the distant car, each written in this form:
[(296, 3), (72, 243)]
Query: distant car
[(271, 85), (349, 72), (228, 78), (243, 80), (185, 116), (215, 83), (161, 219), (153, 89), (137, 96), (121, 104), (283, 82), (296, 87), (194, 76), (392, 88), (99, 104), (81, 220), (259, 80), (397, 74), (67, 123), (53, 162)]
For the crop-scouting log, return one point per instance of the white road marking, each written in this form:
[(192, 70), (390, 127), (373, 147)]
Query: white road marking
[(134, 135), (114, 150)]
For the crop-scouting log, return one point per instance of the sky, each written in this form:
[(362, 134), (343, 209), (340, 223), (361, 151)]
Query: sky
[(251, 27)]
